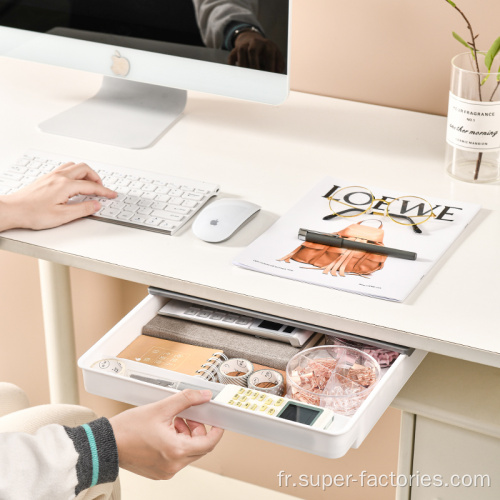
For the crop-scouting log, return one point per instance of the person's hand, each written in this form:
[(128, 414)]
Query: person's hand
[(252, 50), (153, 442), (43, 204)]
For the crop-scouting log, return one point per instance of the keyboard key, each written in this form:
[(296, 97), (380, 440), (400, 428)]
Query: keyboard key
[(125, 215), (175, 192), (144, 211), (145, 203), (168, 226), (174, 217), (175, 201), (158, 206), (153, 221), (135, 192), (162, 197), (130, 208), (139, 219), (109, 212), (192, 196), (132, 200), (178, 209)]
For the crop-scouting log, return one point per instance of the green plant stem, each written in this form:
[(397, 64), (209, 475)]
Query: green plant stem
[(495, 90), (474, 49)]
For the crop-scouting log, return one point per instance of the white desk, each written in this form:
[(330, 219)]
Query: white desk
[(271, 156)]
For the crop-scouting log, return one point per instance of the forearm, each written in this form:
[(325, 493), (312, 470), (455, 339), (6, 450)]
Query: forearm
[(214, 15), (9, 214)]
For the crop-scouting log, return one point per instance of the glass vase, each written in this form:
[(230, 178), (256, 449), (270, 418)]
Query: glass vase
[(473, 125)]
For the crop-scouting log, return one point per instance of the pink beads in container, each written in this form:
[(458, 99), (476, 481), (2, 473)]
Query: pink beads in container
[(335, 377), (384, 357)]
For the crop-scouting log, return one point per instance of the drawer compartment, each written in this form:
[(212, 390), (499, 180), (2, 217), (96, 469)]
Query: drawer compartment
[(334, 442)]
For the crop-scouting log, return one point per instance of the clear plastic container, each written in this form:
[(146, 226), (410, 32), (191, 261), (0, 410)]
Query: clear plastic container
[(335, 377), (384, 357)]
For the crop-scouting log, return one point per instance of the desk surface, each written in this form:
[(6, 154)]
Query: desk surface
[(272, 156)]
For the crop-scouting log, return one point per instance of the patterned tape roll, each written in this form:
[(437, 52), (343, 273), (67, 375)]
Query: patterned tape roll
[(269, 381), (110, 365), (235, 371)]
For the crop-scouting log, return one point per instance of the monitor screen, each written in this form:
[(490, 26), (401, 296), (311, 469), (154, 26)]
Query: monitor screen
[(234, 48), (245, 34)]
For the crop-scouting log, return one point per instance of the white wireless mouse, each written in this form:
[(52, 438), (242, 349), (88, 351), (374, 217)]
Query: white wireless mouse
[(221, 219)]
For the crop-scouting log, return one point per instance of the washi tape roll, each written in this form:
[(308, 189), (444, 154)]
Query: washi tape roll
[(235, 371), (110, 365), (269, 381)]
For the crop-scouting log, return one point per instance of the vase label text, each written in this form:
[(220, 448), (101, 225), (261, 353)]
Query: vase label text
[(473, 125)]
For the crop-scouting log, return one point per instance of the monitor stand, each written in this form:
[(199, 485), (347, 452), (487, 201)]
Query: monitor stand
[(123, 113)]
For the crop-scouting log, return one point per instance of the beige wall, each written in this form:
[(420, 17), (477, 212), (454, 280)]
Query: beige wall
[(388, 52)]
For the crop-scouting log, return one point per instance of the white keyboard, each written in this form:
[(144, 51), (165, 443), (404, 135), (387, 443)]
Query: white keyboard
[(145, 200)]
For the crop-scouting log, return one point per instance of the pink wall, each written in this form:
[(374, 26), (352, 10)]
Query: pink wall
[(390, 52)]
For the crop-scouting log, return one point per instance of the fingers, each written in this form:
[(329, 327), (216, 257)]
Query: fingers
[(174, 405), (181, 426), (79, 171), (201, 445), (69, 212), (87, 187), (196, 428)]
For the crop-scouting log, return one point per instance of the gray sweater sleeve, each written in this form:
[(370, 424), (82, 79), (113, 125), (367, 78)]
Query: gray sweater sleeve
[(56, 462), (97, 453), (214, 15)]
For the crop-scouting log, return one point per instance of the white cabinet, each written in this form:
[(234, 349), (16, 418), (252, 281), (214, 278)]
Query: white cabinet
[(464, 463)]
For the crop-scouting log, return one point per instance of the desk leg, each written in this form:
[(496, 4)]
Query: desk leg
[(406, 447), (59, 332)]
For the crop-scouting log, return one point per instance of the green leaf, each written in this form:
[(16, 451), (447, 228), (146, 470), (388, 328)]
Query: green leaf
[(451, 3), (491, 54), (461, 40)]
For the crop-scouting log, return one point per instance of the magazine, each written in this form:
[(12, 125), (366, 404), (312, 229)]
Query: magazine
[(280, 252)]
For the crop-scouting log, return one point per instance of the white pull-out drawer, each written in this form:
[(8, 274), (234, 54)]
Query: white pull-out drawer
[(343, 434)]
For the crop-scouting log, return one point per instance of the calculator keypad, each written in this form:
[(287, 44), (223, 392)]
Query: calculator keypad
[(256, 401)]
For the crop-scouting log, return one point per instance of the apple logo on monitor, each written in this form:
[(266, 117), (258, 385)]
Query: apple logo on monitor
[(121, 65)]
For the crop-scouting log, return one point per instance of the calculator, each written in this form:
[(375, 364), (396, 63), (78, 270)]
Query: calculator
[(275, 406), (237, 322)]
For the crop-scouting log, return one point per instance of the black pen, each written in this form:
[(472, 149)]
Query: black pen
[(334, 240)]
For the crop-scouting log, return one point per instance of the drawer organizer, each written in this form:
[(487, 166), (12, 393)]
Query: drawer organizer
[(146, 386)]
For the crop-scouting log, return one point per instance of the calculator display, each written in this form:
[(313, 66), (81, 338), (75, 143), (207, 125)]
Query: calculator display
[(270, 325), (298, 413)]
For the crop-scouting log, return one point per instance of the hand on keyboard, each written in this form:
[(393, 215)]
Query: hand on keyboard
[(145, 200), (43, 203)]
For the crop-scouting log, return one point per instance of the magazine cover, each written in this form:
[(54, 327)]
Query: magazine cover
[(371, 215)]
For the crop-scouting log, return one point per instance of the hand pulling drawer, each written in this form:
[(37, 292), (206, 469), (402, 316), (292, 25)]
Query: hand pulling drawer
[(332, 442)]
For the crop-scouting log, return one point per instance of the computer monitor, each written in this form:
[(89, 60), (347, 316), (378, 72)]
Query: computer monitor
[(150, 52)]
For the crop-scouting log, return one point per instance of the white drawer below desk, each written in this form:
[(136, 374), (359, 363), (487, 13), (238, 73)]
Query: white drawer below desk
[(343, 434)]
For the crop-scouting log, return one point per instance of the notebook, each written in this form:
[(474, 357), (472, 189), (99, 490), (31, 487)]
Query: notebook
[(175, 356)]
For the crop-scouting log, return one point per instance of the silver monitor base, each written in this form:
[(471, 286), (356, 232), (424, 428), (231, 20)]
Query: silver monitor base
[(122, 113)]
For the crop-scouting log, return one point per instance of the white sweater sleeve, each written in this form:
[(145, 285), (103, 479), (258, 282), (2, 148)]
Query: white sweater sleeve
[(42, 465), (214, 15), (57, 462)]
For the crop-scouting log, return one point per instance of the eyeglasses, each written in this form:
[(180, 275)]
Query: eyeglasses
[(353, 201)]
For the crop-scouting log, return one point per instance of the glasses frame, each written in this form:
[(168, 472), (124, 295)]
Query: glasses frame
[(386, 212)]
